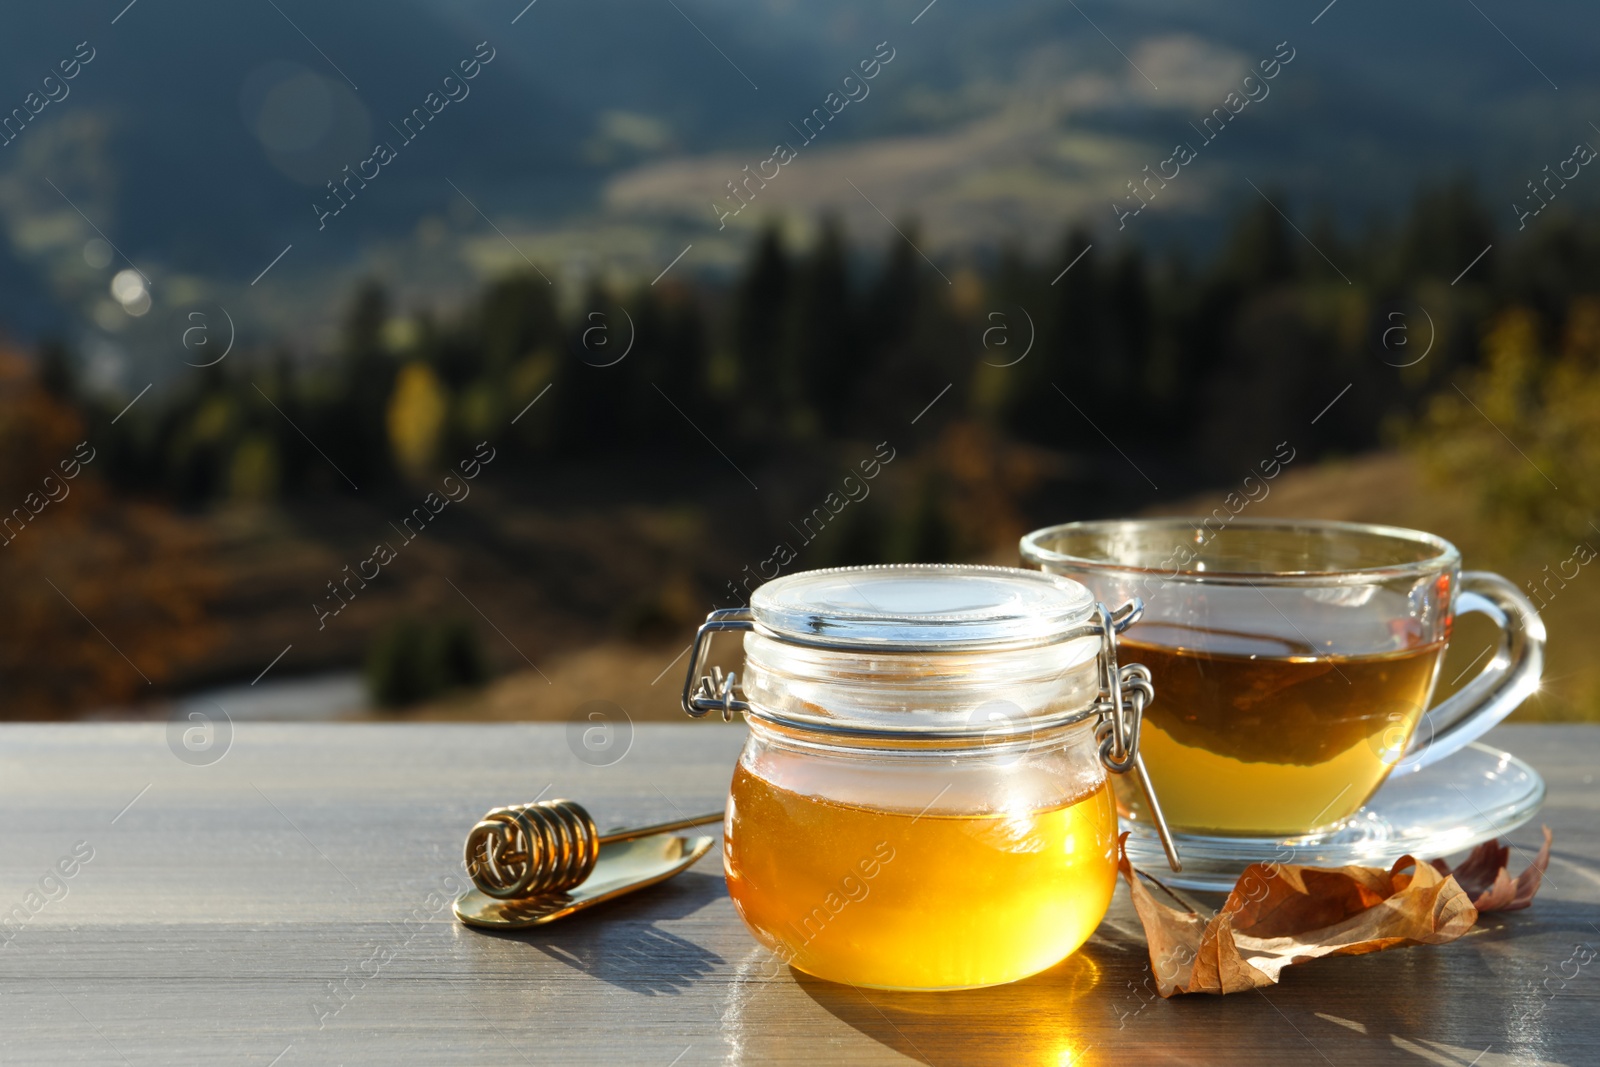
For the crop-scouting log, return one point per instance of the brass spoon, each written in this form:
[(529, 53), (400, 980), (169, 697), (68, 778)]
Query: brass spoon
[(536, 863)]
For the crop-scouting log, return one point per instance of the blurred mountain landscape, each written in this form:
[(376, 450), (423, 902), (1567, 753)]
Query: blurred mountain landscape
[(600, 137), (668, 374)]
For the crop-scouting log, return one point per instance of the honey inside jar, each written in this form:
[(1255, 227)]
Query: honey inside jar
[(901, 899), (922, 800)]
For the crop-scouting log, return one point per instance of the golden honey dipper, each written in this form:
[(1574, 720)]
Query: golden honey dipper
[(549, 846)]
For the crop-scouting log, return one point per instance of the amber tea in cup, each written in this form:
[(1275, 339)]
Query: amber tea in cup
[(1293, 662), (1242, 718)]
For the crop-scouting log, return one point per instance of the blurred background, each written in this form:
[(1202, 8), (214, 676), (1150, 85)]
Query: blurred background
[(454, 362)]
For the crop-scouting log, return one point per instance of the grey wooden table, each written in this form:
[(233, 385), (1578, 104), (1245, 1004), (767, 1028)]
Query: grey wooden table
[(287, 904)]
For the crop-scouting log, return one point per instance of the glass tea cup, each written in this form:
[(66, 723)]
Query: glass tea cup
[(1294, 660)]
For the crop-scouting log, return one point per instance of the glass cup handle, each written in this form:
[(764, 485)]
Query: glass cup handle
[(1510, 677)]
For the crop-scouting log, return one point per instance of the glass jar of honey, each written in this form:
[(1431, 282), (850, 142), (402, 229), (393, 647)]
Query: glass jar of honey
[(922, 801)]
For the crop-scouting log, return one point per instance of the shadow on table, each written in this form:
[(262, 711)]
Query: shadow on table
[(619, 944), (1451, 1005), (1557, 919), (1035, 1021)]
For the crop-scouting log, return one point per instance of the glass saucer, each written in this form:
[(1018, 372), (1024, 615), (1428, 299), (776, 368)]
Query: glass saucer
[(1475, 795)]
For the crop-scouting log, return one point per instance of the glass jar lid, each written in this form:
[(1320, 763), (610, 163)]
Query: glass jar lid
[(919, 654), (922, 607)]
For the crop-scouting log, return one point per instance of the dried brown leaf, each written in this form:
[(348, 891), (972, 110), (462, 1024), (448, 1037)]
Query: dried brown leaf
[(1279, 915), (1484, 876)]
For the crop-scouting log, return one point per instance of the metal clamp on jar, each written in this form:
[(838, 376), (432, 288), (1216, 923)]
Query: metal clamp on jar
[(923, 802)]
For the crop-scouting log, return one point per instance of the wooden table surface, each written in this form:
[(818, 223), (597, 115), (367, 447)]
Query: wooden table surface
[(287, 904)]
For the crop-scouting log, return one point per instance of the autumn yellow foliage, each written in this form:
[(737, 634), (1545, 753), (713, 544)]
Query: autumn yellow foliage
[(100, 600), (416, 418), (1522, 434)]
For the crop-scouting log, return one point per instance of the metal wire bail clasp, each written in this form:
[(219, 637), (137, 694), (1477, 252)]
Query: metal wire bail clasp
[(1124, 694), (714, 690)]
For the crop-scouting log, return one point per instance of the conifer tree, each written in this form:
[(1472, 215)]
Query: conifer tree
[(760, 313)]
